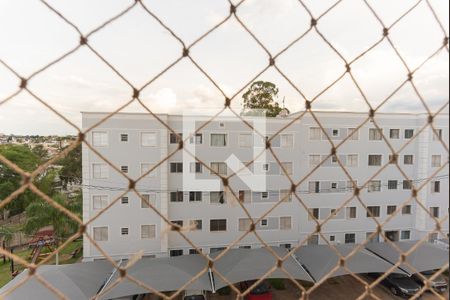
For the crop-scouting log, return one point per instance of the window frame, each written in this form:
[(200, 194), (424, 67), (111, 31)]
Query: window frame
[(94, 144), (218, 133), (218, 220), (154, 232), (141, 135)]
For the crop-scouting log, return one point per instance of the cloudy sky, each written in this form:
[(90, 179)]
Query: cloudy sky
[(139, 48)]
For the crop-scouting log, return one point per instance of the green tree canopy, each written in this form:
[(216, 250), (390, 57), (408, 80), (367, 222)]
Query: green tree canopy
[(261, 95), (71, 167), (40, 214)]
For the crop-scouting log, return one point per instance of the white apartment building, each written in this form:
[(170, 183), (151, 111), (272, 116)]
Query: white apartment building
[(136, 143)]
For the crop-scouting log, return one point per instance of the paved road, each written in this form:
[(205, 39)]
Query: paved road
[(339, 288)]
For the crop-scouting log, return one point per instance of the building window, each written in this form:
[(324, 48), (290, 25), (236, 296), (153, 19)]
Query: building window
[(124, 137), (375, 159), (100, 201), (373, 211), (178, 223), (391, 209), (216, 197), (334, 186), (244, 224), (197, 139), (176, 167), (148, 139), (124, 200), (265, 167), (264, 222), (218, 140), (350, 238), (196, 225), (146, 167), (334, 160), (394, 134), (353, 133), (315, 133), (392, 184), (176, 252), (287, 140), (435, 186), (352, 160), (218, 225), (124, 169), (176, 196), (407, 184), (264, 195), (147, 199), (219, 168), (335, 132), (196, 167), (285, 223), (372, 237), (101, 234), (175, 138), (245, 140), (436, 161), (409, 133), (314, 187), (437, 135), (408, 159), (244, 196), (375, 134), (286, 246), (287, 166), (406, 235), (313, 214), (434, 212), (374, 186), (314, 160), (124, 231), (351, 212), (195, 196), (100, 138), (148, 231), (194, 251), (313, 240), (286, 195), (100, 171), (332, 238), (406, 210)]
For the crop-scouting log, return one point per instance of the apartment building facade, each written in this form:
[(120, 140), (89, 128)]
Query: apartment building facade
[(189, 193)]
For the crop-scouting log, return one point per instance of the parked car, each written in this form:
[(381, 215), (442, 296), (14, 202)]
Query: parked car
[(194, 295), (260, 292), (439, 284), (399, 284)]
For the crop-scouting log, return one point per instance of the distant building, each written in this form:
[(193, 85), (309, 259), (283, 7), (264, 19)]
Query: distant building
[(135, 143)]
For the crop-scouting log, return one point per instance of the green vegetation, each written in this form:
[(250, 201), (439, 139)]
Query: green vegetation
[(277, 284), (261, 95), (65, 258), (39, 213)]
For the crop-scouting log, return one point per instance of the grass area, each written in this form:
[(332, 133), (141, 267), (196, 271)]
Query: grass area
[(65, 257)]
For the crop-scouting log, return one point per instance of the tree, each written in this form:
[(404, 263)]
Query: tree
[(10, 181), (40, 152), (261, 95), (71, 167), (40, 214)]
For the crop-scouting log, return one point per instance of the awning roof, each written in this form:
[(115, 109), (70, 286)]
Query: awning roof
[(426, 257), (321, 259), (246, 264), (162, 274), (84, 280), (75, 281)]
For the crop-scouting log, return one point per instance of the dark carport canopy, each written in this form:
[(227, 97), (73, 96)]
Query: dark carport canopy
[(320, 260), (425, 257), (85, 280)]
